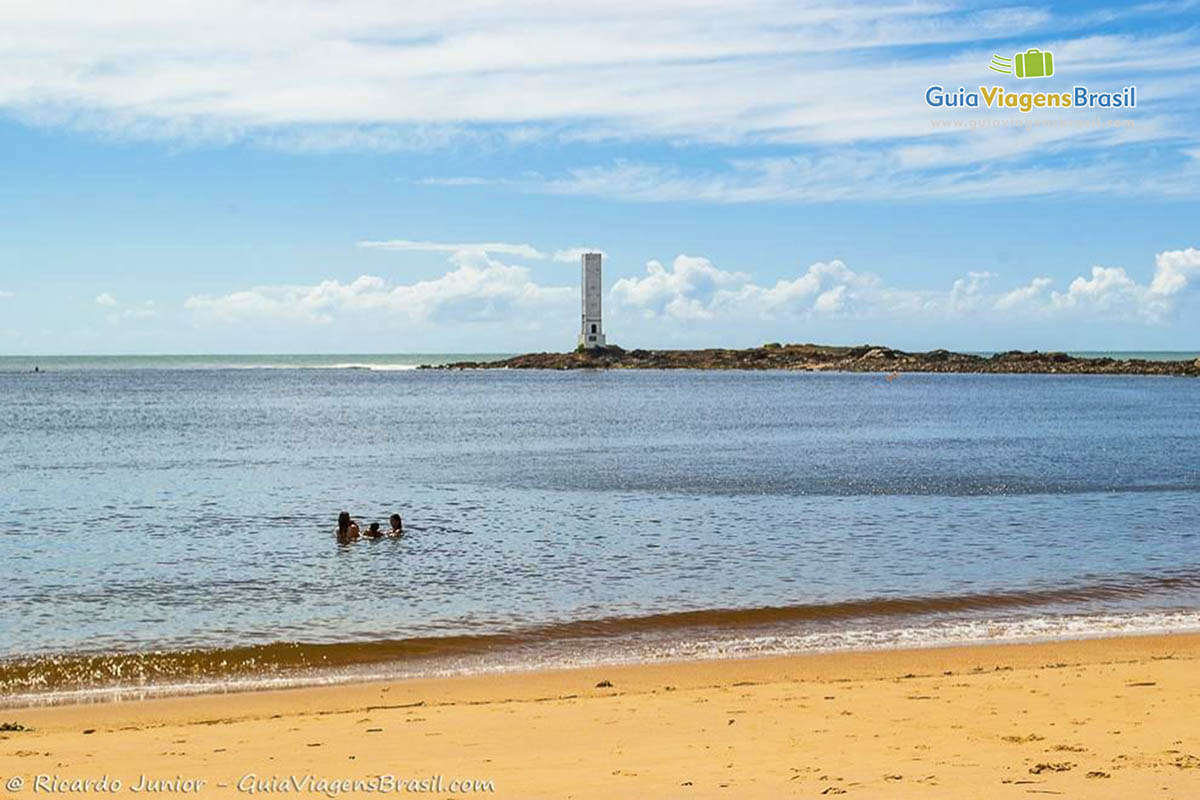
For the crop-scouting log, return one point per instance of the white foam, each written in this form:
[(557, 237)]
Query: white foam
[(371, 367), (602, 651), (348, 365)]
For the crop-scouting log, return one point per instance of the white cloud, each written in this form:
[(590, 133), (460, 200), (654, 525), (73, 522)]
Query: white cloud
[(482, 289), (479, 289), (1172, 270), (693, 288), (106, 299), (1110, 292), (633, 66), (503, 248), (379, 75), (1025, 295), (4, 294), (145, 311), (573, 255), (1109, 289), (885, 173), (686, 291), (966, 292)]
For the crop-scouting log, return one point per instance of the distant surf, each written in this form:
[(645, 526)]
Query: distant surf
[(371, 362)]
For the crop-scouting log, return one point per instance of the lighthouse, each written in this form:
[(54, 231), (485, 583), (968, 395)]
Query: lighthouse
[(591, 330)]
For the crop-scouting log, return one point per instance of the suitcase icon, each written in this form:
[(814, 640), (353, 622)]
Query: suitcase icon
[(1033, 63)]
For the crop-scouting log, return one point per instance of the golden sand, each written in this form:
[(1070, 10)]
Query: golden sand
[(1115, 717)]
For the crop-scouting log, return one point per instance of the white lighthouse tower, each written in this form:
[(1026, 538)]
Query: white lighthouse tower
[(591, 331)]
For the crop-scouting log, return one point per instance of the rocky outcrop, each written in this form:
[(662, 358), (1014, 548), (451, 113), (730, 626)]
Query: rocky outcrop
[(812, 357)]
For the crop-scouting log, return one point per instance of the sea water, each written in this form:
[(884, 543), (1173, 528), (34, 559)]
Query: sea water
[(169, 525)]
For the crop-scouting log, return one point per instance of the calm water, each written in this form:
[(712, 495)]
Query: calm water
[(152, 517)]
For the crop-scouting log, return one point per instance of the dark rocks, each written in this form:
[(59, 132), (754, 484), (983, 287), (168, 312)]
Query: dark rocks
[(1058, 766), (861, 358)]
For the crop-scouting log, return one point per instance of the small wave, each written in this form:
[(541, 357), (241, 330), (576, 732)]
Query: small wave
[(369, 367), (709, 633), (261, 672)]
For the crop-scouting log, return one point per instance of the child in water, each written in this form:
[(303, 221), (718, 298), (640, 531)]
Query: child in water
[(373, 532)]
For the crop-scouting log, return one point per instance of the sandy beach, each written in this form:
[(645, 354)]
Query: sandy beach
[(1095, 718)]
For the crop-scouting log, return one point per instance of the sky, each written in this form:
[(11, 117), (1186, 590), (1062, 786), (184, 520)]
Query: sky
[(375, 177)]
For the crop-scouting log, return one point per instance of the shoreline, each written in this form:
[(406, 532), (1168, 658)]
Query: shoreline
[(65, 678), (241, 684), (827, 358), (1085, 718)]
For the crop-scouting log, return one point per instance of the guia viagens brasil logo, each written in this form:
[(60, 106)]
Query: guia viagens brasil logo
[(1033, 63)]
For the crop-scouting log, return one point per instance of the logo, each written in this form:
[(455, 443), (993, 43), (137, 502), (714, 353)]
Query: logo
[(1033, 63)]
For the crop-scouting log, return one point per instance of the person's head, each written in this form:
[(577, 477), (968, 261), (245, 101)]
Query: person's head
[(396, 524), (374, 527), (343, 522)]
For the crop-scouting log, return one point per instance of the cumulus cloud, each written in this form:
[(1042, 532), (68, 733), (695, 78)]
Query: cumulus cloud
[(694, 288), (482, 289), (1172, 270), (687, 291), (105, 299), (479, 289), (503, 248), (1111, 292), (1024, 295), (966, 293), (1108, 289)]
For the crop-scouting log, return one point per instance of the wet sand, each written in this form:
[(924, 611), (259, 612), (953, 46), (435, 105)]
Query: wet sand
[(1099, 718)]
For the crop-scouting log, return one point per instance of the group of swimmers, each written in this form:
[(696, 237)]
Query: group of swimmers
[(347, 528)]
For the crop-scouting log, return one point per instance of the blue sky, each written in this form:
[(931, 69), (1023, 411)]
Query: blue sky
[(231, 177)]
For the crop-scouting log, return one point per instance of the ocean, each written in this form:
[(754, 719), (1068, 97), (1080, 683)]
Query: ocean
[(167, 522)]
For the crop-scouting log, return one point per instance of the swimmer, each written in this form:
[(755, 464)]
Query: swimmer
[(397, 526), (373, 531), (346, 529)]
